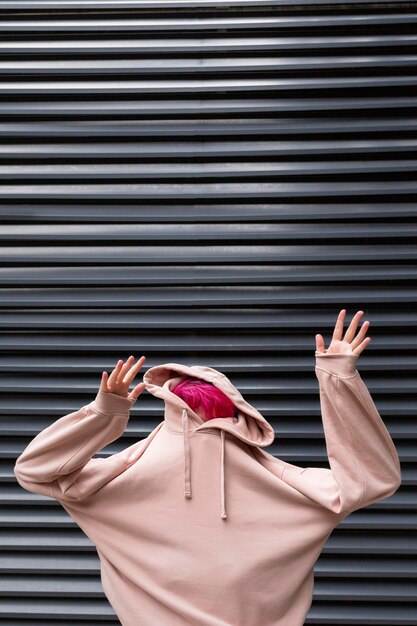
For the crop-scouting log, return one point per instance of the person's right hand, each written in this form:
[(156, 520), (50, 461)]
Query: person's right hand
[(119, 380)]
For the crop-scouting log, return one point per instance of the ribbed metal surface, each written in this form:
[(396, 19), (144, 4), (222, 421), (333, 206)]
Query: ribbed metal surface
[(206, 182)]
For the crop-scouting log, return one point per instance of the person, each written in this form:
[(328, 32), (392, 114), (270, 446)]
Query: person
[(197, 524)]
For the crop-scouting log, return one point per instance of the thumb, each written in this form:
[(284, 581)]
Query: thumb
[(319, 343), (135, 393), (103, 382)]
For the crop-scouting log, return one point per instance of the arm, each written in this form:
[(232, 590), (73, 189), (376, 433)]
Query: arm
[(58, 461), (365, 467)]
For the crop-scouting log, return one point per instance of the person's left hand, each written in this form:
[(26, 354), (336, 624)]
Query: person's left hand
[(349, 344)]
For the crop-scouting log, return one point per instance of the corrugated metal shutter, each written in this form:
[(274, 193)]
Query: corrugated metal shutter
[(206, 182)]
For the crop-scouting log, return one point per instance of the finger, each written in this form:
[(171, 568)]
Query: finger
[(125, 368), (135, 393), (115, 373), (361, 347), (338, 329), (134, 370), (351, 331), (103, 382), (359, 337), (319, 343)]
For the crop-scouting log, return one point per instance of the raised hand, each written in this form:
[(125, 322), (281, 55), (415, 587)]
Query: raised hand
[(119, 380), (348, 344)]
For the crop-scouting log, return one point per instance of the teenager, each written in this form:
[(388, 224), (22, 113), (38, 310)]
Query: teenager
[(197, 524)]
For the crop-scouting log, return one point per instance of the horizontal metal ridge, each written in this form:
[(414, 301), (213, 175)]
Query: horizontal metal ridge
[(204, 45), (85, 562), (114, 87), (355, 591), (64, 621), (356, 614), (205, 213), (211, 190), (169, 297), (290, 350), (158, 256), (154, 234), (220, 66), (231, 363), (32, 414), (38, 607), (190, 23), (394, 149), (196, 4), (233, 275), (239, 134), (330, 567), (220, 106), (249, 385), (91, 588), (200, 171)]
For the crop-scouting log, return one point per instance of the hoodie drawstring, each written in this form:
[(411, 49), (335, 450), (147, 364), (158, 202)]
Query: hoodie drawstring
[(187, 463), (222, 433)]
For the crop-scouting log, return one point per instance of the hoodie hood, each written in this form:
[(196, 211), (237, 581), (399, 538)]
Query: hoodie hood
[(248, 425)]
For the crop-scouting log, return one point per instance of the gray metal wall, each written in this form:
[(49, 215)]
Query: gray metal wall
[(206, 182)]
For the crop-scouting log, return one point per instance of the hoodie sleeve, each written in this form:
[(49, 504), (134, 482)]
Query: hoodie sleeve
[(364, 463), (58, 461)]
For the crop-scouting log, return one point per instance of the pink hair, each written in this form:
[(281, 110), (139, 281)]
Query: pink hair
[(196, 392)]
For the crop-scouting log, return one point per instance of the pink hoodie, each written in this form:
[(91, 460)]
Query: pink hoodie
[(197, 525)]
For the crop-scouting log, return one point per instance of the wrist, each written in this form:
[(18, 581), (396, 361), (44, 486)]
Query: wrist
[(106, 402), (339, 364)]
